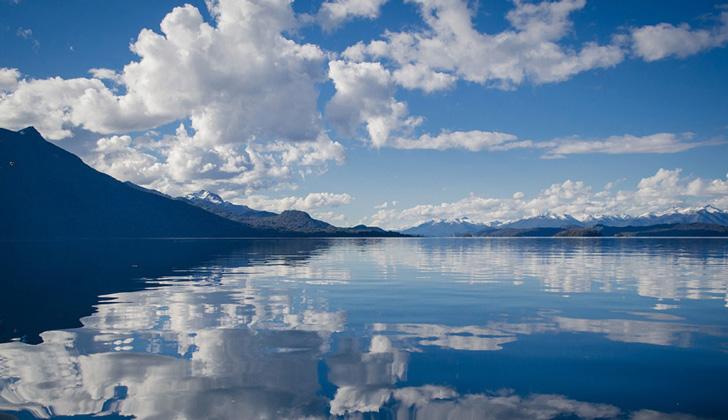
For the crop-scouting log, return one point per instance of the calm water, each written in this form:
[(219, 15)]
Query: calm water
[(366, 329)]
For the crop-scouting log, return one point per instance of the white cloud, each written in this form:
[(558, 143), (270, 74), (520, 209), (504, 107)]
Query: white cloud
[(105, 74), (115, 156), (333, 13), (249, 93), (654, 143), (666, 188), (364, 95), (470, 140), (477, 140), (533, 49), (452, 49), (655, 42), (706, 188), (312, 201), (448, 50), (52, 105), (178, 164), (330, 217), (8, 79), (238, 81)]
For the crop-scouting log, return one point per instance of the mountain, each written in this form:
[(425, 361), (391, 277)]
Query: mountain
[(215, 204), (49, 193), (608, 220), (453, 227), (295, 221), (533, 232), (702, 215), (707, 214)]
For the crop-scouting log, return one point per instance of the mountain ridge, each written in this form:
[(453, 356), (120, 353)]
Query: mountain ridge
[(707, 214), (288, 220), (49, 193)]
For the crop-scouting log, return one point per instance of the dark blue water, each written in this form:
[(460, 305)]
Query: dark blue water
[(620, 328)]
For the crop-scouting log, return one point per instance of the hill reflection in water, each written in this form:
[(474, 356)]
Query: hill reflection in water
[(380, 328)]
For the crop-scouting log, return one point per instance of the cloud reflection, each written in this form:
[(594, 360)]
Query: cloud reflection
[(667, 269), (232, 340)]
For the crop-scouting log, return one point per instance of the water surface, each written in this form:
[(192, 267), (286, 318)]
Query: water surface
[(521, 328)]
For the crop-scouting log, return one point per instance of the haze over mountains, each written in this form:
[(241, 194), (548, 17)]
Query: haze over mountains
[(463, 226), (49, 193)]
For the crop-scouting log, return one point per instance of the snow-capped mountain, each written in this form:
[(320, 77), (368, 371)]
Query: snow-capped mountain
[(706, 214), (210, 201), (607, 220), (207, 196), (449, 227), (288, 221), (460, 227)]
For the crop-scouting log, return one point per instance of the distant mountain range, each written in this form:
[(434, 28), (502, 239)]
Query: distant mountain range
[(49, 193), (453, 227), (549, 224)]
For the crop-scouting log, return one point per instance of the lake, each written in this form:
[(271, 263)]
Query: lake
[(425, 328)]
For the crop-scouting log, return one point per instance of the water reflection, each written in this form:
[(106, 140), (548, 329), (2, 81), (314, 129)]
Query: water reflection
[(667, 269), (396, 329), (66, 278)]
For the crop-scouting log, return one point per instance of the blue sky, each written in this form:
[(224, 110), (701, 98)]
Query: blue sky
[(384, 112)]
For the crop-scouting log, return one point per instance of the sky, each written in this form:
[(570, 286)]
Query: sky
[(384, 112)]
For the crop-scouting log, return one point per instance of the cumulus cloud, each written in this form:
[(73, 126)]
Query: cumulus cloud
[(115, 156), (312, 201), (364, 94), (330, 217), (664, 189), (178, 164), (450, 49), (8, 79), (247, 94), (333, 13), (655, 42)]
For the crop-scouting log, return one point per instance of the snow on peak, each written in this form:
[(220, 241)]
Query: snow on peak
[(456, 220), (555, 216), (204, 195), (710, 209), (691, 210)]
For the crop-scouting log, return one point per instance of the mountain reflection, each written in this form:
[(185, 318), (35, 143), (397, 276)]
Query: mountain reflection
[(65, 278), (320, 329)]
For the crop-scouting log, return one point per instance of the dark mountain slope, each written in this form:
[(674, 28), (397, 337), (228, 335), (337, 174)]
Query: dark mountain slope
[(46, 192), (293, 222)]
